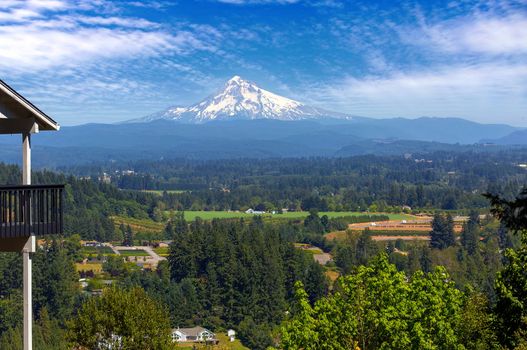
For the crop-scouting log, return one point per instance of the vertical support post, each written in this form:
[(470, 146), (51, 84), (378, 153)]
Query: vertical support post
[(28, 249), (26, 158)]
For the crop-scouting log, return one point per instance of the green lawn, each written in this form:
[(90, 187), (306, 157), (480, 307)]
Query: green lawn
[(96, 250), (209, 215), (95, 267), (164, 251), (224, 344), (158, 192), (133, 252)]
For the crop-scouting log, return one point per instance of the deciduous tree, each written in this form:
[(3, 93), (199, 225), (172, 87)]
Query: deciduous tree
[(121, 319)]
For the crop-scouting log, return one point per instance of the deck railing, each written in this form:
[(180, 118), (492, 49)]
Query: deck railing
[(31, 209)]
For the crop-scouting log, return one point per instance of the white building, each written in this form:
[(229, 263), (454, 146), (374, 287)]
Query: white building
[(254, 212), (194, 334), (231, 334)]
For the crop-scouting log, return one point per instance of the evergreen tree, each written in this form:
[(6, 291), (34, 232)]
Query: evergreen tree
[(511, 282), (470, 233), (324, 220), (449, 235), (128, 237), (56, 281), (313, 224), (366, 248), (442, 234), (169, 230), (425, 260), (179, 223)]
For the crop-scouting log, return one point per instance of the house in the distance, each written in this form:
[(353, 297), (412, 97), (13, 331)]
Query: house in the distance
[(231, 334), (254, 212), (195, 334)]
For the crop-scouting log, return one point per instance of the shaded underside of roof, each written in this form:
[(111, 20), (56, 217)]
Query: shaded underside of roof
[(15, 106)]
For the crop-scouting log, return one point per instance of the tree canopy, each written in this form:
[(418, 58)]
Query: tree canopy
[(121, 319)]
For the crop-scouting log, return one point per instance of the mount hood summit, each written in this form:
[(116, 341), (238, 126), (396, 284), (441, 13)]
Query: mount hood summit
[(241, 99)]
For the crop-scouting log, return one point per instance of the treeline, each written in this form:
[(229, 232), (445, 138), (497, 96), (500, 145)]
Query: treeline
[(88, 205), (472, 257), (440, 180), (376, 306), (231, 274), (55, 296), (220, 274)]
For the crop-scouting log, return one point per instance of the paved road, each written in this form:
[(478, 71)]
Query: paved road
[(323, 258), (154, 257)]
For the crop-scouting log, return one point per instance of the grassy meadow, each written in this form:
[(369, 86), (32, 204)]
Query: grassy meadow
[(209, 215)]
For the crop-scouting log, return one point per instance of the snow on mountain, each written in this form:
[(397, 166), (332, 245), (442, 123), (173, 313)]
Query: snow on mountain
[(241, 99)]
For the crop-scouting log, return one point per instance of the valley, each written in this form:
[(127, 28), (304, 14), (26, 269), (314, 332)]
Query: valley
[(263, 175)]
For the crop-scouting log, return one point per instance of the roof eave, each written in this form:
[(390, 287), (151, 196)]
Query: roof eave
[(46, 123)]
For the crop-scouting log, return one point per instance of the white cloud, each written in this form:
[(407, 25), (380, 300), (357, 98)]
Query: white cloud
[(40, 34), (258, 2), (480, 33), (29, 48), (83, 60), (116, 21), (484, 92), (315, 3)]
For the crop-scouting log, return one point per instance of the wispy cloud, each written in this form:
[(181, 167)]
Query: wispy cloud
[(103, 60), (66, 54), (37, 35), (492, 92), (257, 2), (467, 64), (480, 33), (316, 3)]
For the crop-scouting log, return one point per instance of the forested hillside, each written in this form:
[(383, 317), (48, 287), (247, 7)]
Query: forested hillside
[(443, 180), (88, 205), (255, 275)]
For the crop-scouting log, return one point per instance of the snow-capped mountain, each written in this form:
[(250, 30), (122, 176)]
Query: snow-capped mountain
[(241, 99)]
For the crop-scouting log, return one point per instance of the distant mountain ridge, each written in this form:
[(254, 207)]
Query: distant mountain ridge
[(241, 99), (261, 138), (243, 120), (518, 137)]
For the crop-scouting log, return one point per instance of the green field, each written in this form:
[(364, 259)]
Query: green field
[(97, 250), (209, 215), (164, 251), (133, 252), (158, 192), (95, 267)]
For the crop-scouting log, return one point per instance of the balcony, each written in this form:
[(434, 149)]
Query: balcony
[(31, 210)]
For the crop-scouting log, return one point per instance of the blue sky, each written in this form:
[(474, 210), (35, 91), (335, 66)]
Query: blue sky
[(106, 61)]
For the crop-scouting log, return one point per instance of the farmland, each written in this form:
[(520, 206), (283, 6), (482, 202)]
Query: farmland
[(104, 250), (162, 251), (416, 225), (160, 192), (133, 252), (209, 215), (95, 267), (416, 229), (139, 225)]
